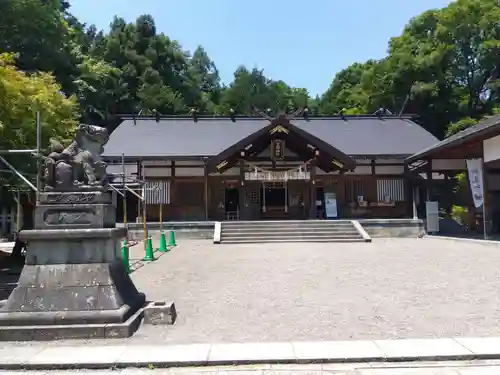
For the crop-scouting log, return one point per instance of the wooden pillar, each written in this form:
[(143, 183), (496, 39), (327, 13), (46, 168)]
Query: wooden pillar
[(205, 194), (428, 172), (242, 189), (341, 195), (487, 223), (409, 193), (372, 196), (312, 208), (142, 178), (173, 191)]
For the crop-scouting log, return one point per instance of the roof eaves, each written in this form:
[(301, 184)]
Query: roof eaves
[(470, 134), (156, 157)]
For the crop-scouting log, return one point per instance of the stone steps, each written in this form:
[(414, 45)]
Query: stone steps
[(290, 231), (295, 239)]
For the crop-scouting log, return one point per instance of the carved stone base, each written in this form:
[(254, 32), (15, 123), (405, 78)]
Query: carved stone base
[(72, 276), (84, 209), (72, 331)]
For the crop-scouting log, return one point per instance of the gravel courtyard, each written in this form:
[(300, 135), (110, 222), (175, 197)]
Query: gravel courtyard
[(391, 288)]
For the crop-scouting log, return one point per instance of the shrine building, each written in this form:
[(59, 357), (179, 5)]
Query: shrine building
[(250, 168)]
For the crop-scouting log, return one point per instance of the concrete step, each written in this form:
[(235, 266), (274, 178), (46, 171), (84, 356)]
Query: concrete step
[(285, 222), (289, 235), (332, 230), (291, 240), (289, 231), (287, 225)]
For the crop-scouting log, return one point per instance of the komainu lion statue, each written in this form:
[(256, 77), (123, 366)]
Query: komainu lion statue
[(79, 165)]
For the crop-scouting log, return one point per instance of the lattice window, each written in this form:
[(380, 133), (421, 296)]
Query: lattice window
[(391, 190), (157, 192), (253, 196), (354, 189)]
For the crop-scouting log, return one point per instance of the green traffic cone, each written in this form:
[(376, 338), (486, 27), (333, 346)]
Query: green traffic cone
[(149, 251), (163, 243), (171, 238), (125, 257)]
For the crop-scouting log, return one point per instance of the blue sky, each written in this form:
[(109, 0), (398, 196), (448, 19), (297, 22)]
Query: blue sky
[(303, 43)]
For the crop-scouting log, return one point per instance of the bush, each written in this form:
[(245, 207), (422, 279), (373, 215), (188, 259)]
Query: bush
[(460, 214)]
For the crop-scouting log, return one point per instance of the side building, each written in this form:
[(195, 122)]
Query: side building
[(246, 168)]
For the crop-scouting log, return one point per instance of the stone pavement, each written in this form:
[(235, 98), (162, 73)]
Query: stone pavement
[(382, 352), (423, 368)]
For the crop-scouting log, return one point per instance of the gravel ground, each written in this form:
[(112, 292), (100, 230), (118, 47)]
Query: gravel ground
[(391, 288), (394, 288)]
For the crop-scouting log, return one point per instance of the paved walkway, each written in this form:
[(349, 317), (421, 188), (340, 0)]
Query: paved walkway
[(41, 357), (428, 368)]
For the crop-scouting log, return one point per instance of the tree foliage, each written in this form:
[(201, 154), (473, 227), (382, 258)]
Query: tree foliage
[(443, 67), (21, 96)]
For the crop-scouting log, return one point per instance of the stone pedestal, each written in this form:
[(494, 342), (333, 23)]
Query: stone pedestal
[(74, 284)]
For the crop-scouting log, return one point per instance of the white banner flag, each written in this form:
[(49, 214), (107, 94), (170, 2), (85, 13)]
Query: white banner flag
[(475, 169)]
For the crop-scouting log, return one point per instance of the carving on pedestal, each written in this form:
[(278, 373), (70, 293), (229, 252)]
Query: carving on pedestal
[(73, 198), (54, 217)]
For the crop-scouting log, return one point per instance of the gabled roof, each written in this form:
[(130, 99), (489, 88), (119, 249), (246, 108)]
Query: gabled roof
[(282, 128), (482, 130), (182, 137)]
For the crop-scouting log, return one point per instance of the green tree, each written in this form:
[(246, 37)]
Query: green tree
[(22, 95), (37, 32)]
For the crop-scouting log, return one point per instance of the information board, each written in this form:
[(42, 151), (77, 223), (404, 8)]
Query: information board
[(331, 205)]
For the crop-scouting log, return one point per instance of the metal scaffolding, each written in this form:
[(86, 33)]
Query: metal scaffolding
[(11, 169), (35, 152), (132, 186)]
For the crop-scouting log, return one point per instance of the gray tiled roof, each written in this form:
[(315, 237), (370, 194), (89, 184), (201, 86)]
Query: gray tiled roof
[(182, 137)]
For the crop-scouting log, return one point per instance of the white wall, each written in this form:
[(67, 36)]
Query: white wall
[(156, 172), (491, 149), (147, 163), (389, 169)]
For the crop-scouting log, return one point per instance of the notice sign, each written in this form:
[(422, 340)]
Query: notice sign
[(432, 216), (331, 205), (475, 170)]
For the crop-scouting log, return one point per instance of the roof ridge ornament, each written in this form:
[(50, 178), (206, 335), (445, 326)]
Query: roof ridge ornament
[(381, 112), (194, 113), (341, 113), (303, 111), (279, 129)]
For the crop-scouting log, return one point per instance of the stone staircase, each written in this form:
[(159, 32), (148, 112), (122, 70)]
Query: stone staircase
[(292, 231)]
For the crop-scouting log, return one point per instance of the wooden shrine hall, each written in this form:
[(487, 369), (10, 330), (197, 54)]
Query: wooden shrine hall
[(255, 168)]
